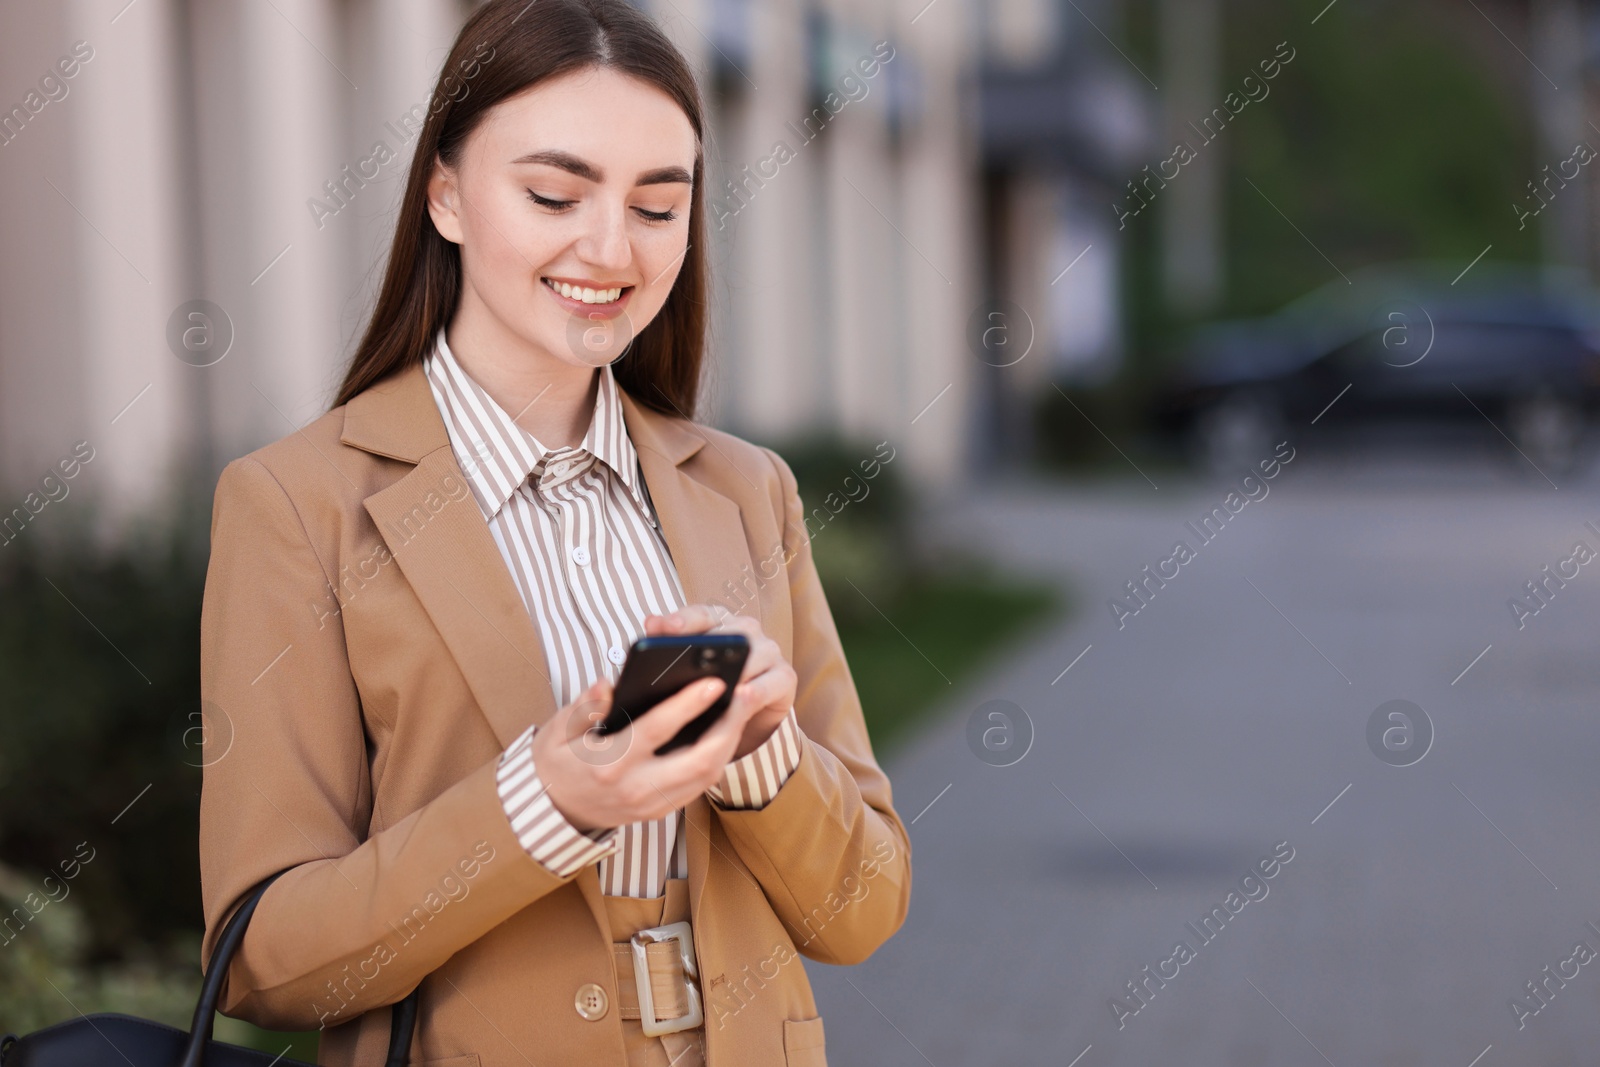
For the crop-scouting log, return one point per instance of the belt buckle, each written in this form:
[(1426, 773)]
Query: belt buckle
[(641, 976)]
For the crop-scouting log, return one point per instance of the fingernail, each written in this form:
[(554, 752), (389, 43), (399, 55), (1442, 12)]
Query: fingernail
[(712, 686)]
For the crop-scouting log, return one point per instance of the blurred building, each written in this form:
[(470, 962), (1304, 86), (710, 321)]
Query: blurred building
[(1065, 122), (158, 153)]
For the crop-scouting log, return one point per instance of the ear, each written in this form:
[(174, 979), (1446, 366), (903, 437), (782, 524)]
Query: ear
[(444, 200)]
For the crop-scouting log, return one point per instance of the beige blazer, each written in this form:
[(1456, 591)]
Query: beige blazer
[(353, 739)]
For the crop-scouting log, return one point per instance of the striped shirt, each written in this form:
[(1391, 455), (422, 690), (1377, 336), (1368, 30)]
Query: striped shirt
[(579, 535)]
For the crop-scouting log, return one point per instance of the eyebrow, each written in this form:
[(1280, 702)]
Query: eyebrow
[(566, 161)]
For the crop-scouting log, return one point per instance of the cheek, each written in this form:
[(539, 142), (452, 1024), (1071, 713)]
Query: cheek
[(660, 257), (502, 246)]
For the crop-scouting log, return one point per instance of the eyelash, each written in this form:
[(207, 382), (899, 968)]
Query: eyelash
[(561, 205)]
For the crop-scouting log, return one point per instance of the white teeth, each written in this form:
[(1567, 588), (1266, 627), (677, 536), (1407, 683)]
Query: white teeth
[(588, 296)]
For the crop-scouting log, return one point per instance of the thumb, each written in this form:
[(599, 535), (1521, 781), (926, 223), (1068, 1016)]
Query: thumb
[(595, 703), (585, 710)]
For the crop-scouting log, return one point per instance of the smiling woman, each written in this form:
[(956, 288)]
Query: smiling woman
[(515, 433), (560, 155)]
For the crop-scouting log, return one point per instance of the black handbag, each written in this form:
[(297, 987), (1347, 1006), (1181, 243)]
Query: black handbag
[(111, 1039)]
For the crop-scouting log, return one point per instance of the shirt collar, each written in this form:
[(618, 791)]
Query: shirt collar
[(498, 456)]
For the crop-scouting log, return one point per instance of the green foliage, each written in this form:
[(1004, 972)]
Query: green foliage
[(940, 630), (46, 978), (1383, 140), (43, 975), (858, 516), (99, 667), (912, 625), (1388, 137)]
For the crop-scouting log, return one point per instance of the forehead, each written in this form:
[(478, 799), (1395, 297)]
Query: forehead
[(623, 124)]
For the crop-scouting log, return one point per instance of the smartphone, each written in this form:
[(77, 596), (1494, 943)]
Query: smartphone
[(658, 667)]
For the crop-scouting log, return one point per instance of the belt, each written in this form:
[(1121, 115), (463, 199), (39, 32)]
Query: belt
[(655, 979)]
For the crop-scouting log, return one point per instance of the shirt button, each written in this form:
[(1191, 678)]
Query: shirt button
[(591, 1001), (580, 556), (617, 655)]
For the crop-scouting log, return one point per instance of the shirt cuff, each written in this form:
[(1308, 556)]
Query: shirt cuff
[(752, 780), (544, 832)]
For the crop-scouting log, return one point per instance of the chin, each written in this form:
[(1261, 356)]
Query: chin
[(592, 342)]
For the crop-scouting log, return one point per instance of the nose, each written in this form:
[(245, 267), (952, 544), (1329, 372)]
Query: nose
[(605, 238)]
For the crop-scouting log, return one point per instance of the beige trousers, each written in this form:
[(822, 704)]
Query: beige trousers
[(629, 915)]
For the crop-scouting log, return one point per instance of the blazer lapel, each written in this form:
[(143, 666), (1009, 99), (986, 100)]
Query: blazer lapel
[(437, 535)]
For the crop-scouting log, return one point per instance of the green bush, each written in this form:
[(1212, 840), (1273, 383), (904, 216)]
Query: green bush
[(858, 517), (912, 625), (99, 667), (43, 975)]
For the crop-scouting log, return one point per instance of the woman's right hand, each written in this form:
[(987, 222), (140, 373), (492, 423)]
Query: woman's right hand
[(599, 781)]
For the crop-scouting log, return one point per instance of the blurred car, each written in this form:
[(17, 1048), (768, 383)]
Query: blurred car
[(1519, 346)]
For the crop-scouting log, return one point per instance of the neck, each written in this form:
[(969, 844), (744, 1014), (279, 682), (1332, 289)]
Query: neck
[(548, 397)]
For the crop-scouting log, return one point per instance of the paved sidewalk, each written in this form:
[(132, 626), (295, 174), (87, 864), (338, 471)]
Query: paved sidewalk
[(1230, 714)]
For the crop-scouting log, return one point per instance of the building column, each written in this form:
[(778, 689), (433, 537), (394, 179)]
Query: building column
[(1191, 215), (274, 86), (91, 187), (939, 189)]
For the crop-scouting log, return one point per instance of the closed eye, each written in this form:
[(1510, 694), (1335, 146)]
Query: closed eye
[(544, 201), (562, 205)]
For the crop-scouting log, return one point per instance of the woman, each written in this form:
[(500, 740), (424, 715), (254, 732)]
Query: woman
[(416, 607)]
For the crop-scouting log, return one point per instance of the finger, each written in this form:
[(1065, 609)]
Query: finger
[(768, 692), (764, 655), (576, 717), (763, 691), (696, 763), (740, 624), (580, 727), (660, 723), (693, 618)]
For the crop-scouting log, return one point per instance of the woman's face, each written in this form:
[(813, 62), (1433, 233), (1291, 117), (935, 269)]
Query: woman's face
[(571, 190)]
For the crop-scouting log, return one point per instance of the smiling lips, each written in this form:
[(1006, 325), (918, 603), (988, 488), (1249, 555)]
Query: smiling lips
[(588, 300)]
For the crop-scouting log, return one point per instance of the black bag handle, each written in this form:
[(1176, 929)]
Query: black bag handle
[(403, 1014)]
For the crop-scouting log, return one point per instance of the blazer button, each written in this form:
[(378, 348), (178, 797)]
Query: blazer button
[(591, 1001)]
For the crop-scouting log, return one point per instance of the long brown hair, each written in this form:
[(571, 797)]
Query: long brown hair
[(526, 42)]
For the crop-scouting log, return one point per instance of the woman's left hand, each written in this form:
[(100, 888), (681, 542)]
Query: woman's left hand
[(768, 682)]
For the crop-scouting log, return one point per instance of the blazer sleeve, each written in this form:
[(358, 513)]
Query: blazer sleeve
[(830, 835), (287, 787)]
